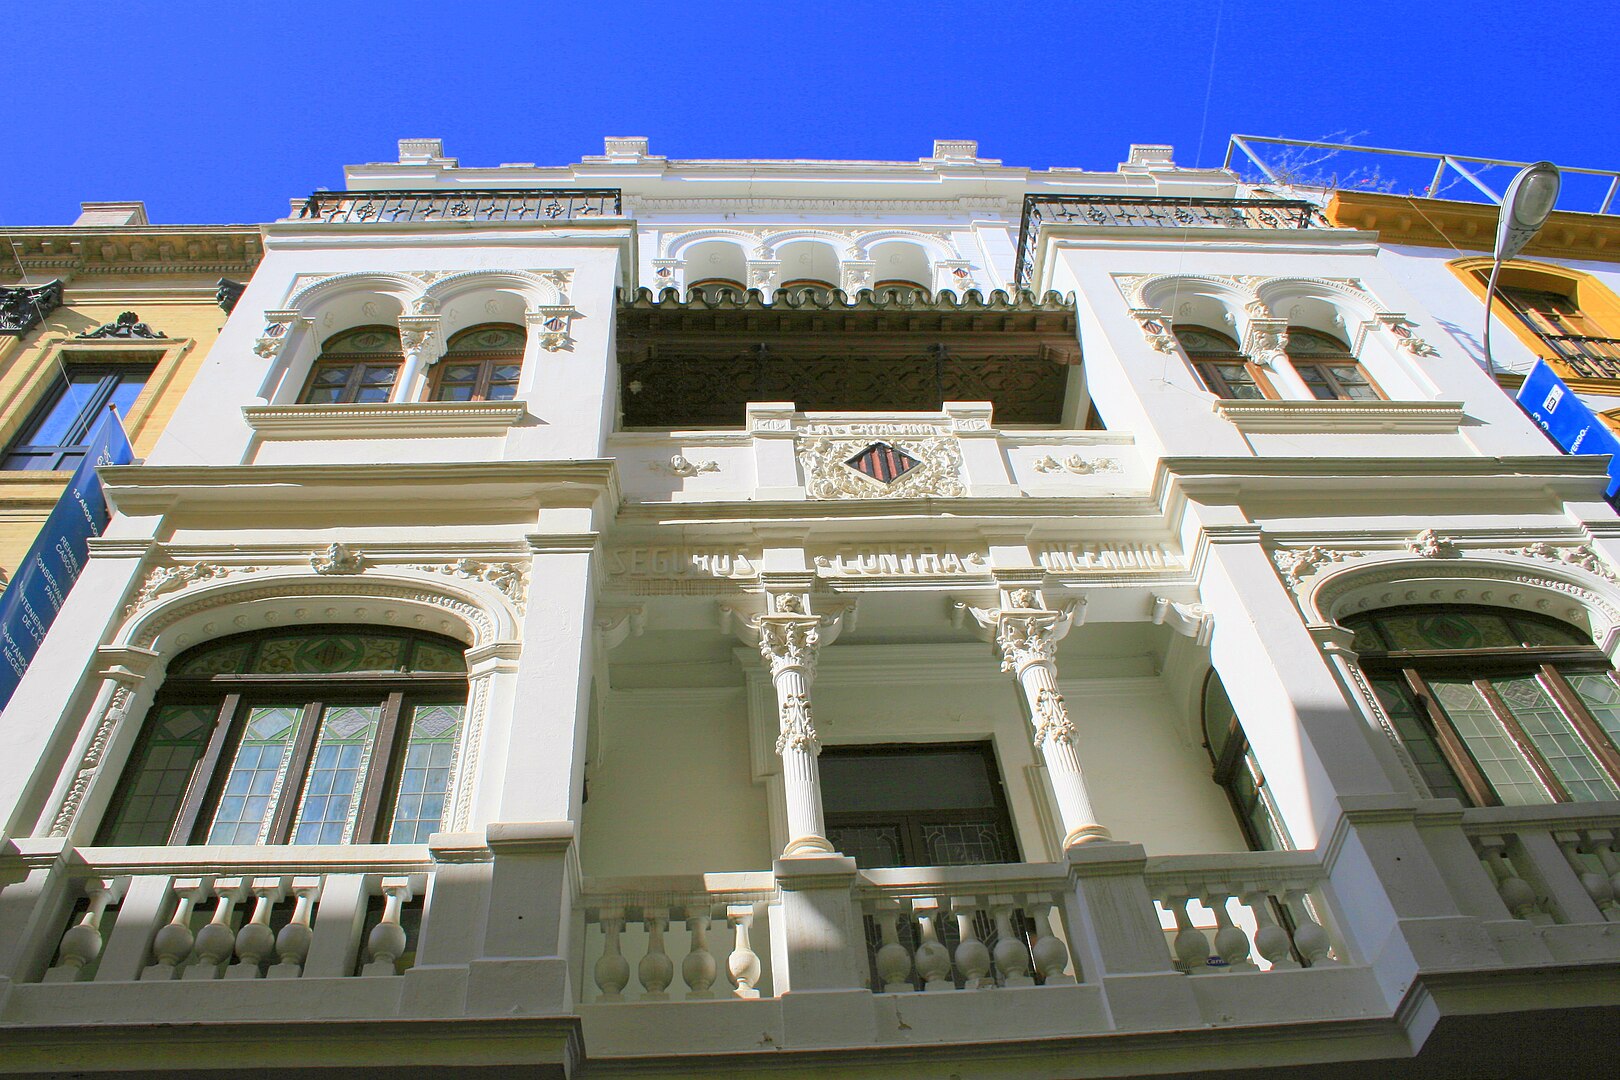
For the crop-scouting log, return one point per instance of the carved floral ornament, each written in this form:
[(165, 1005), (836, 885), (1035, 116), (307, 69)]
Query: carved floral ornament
[(1244, 290), (1074, 463), (335, 560), (1435, 569)]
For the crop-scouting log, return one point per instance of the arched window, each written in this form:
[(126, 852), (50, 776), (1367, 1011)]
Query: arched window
[(1564, 316), (1328, 368), (323, 735), (1237, 771), (480, 364), (359, 365), (1224, 368), (1496, 706)]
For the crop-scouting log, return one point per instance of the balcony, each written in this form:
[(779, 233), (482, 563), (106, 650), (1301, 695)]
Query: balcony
[(813, 954), (1153, 212), (1587, 357), (526, 205)]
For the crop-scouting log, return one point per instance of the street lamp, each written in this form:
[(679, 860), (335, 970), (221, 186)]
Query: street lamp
[(1525, 209)]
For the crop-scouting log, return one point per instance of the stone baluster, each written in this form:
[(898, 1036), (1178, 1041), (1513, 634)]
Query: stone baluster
[(1026, 634), (1270, 939), (893, 958), (656, 969), (1601, 843), (789, 638), (256, 942), (1051, 954), (217, 941), (1231, 943), (1517, 893), (83, 941), (1597, 885), (1191, 946), (292, 943), (1011, 954), (697, 967), (972, 955), (386, 942), (612, 969), (172, 944), (1310, 939), (933, 958), (743, 963)]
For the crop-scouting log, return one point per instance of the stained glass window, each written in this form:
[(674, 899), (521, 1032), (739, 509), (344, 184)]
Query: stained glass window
[(162, 767), (430, 751), (322, 735), (1221, 364), (1496, 705), (481, 364), (359, 365), (1325, 364)]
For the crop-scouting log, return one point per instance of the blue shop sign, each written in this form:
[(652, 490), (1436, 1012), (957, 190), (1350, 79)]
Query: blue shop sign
[(40, 585), (1554, 406)]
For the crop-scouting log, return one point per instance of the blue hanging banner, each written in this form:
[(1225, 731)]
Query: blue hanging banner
[(1565, 417), (41, 583)]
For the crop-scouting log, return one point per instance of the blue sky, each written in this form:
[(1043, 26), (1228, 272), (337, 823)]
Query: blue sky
[(216, 112)]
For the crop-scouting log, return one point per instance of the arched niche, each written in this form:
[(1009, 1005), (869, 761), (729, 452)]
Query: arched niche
[(713, 264), (899, 261)]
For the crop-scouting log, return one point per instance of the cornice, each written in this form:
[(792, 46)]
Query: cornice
[(385, 420), (135, 489), (123, 249), (1432, 417), (1442, 223)]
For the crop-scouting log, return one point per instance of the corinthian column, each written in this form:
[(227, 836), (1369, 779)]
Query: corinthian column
[(789, 638), (1026, 635)]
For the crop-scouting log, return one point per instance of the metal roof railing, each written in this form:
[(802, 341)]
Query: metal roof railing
[(1289, 161)]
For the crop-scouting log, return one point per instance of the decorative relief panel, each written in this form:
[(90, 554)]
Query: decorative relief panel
[(834, 459), (1074, 463)]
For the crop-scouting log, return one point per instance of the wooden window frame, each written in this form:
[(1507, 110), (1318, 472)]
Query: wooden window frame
[(1481, 667), (238, 693), (1326, 365), (1203, 364), (487, 361), (351, 389)]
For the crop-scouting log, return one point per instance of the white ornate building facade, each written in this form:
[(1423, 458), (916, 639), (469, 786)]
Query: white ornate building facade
[(925, 619)]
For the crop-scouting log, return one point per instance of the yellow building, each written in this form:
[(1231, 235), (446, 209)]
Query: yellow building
[(108, 310), (1557, 301)]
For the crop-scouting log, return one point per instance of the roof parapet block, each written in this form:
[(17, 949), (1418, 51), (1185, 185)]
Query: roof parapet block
[(112, 213), (424, 152), (1148, 157)]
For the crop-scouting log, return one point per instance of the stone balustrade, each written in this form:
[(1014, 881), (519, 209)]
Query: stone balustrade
[(1262, 911), (641, 933), (195, 926), (944, 930), (1553, 866)]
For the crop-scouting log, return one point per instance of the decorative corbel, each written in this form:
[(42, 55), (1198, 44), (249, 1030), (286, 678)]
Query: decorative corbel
[(1155, 328), (1401, 327), (668, 274), (615, 624), (954, 274), (1189, 620), (555, 324), (762, 273), (278, 328), (856, 274)]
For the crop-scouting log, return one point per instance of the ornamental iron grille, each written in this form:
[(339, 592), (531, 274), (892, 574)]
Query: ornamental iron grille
[(883, 463), (1157, 212), (540, 205)]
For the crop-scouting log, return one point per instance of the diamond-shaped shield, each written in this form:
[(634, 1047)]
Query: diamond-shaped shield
[(883, 463)]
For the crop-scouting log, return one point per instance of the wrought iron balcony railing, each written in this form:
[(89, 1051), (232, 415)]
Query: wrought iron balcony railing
[(1155, 212), (1592, 357), (514, 204)]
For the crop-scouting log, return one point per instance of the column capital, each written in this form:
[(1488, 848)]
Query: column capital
[(1025, 629), (787, 633)]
